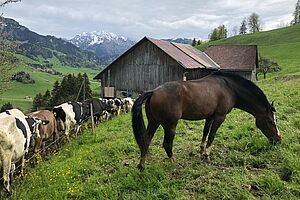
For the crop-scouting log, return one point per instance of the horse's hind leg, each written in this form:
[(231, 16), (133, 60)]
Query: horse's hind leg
[(217, 121), (206, 129), (151, 128), (168, 140)]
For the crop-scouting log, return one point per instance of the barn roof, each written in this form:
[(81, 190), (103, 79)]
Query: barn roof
[(234, 57), (186, 55)]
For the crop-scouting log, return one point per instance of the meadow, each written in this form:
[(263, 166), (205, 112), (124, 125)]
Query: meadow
[(244, 164)]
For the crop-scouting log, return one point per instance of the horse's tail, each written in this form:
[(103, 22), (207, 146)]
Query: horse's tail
[(138, 124)]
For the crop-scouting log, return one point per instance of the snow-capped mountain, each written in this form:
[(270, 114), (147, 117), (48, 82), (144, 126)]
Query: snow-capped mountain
[(180, 40), (108, 46)]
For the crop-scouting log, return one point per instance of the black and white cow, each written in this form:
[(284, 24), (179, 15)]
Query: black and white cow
[(16, 130), (98, 105), (68, 115), (128, 103)]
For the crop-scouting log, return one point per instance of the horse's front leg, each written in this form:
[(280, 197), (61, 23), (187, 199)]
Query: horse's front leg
[(217, 121)]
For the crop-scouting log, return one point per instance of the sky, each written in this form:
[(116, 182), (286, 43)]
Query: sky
[(138, 18)]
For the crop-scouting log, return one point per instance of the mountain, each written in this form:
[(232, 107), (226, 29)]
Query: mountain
[(18, 39), (107, 46), (180, 40)]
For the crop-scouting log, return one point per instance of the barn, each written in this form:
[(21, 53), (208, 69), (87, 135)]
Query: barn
[(151, 62)]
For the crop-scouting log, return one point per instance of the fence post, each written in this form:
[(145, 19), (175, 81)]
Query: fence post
[(92, 117)]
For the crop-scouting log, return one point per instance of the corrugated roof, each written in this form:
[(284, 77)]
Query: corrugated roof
[(234, 57), (186, 55)]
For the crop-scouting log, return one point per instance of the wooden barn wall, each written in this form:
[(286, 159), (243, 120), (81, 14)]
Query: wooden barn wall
[(144, 68)]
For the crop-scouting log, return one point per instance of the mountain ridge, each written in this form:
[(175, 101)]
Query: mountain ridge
[(106, 45), (19, 39)]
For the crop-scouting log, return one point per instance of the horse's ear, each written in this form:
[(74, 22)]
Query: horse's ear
[(273, 107)]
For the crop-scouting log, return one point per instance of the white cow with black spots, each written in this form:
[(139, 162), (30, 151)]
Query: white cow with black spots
[(68, 115), (15, 135)]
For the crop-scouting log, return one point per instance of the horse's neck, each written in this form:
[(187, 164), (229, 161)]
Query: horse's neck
[(249, 105)]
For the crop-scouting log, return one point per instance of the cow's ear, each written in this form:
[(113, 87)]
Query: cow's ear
[(44, 122)]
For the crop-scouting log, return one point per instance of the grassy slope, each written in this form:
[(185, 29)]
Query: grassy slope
[(16, 92), (244, 165), (282, 45)]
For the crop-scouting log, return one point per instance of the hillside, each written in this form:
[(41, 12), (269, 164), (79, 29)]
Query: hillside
[(281, 45), (45, 58), (18, 39)]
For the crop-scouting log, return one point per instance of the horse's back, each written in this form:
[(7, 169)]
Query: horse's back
[(193, 100)]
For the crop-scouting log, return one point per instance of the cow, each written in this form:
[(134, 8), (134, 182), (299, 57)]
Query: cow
[(128, 103), (15, 112), (68, 115), (47, 131), (15, 136), (98, 105)]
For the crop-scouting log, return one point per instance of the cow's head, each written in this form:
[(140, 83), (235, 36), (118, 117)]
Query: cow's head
[(34, 124)]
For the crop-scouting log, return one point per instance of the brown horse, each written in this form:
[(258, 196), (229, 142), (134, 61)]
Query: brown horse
[(209, 98)]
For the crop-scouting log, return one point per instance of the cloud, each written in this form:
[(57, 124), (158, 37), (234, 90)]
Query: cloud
[(137, 18)]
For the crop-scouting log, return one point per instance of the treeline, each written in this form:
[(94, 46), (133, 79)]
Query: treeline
[(66, 90)]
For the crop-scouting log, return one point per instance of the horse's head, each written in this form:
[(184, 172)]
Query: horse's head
[(266, 122)]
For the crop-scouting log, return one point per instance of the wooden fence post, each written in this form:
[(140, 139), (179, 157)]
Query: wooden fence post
[(92, 116)]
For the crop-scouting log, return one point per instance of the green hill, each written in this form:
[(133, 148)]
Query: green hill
[(281, 45)]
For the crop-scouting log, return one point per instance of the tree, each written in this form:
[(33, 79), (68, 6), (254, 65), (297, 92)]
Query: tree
[(199, 42), (55, 94), (218, 33), (266, 65), (37, 102), (6, 106), (254, 23), (4, 3), (296, 14), (194, 42), (47, 99), (243, 28)]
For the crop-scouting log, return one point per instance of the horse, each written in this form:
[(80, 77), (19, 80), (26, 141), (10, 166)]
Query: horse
[(211, 98)]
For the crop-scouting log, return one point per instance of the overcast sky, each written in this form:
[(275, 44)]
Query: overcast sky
[(138, 18)]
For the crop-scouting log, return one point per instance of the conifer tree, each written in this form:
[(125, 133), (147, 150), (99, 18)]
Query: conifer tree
[(243, 28), (296, 14)]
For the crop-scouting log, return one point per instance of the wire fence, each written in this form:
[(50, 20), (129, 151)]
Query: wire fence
[(36, 153)]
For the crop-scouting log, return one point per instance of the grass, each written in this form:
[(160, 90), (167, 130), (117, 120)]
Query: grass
[(244, 165)]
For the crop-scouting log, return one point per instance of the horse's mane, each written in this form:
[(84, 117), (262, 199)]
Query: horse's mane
[(245, 84)]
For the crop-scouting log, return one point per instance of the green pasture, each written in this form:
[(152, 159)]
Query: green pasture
[(244, 164)]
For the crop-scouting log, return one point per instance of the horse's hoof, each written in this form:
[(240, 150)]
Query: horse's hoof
[(202, 150), (172, 160), (141, 167), (206, 158)]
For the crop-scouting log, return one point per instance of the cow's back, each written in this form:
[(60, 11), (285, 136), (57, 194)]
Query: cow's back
[(12, 140)]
